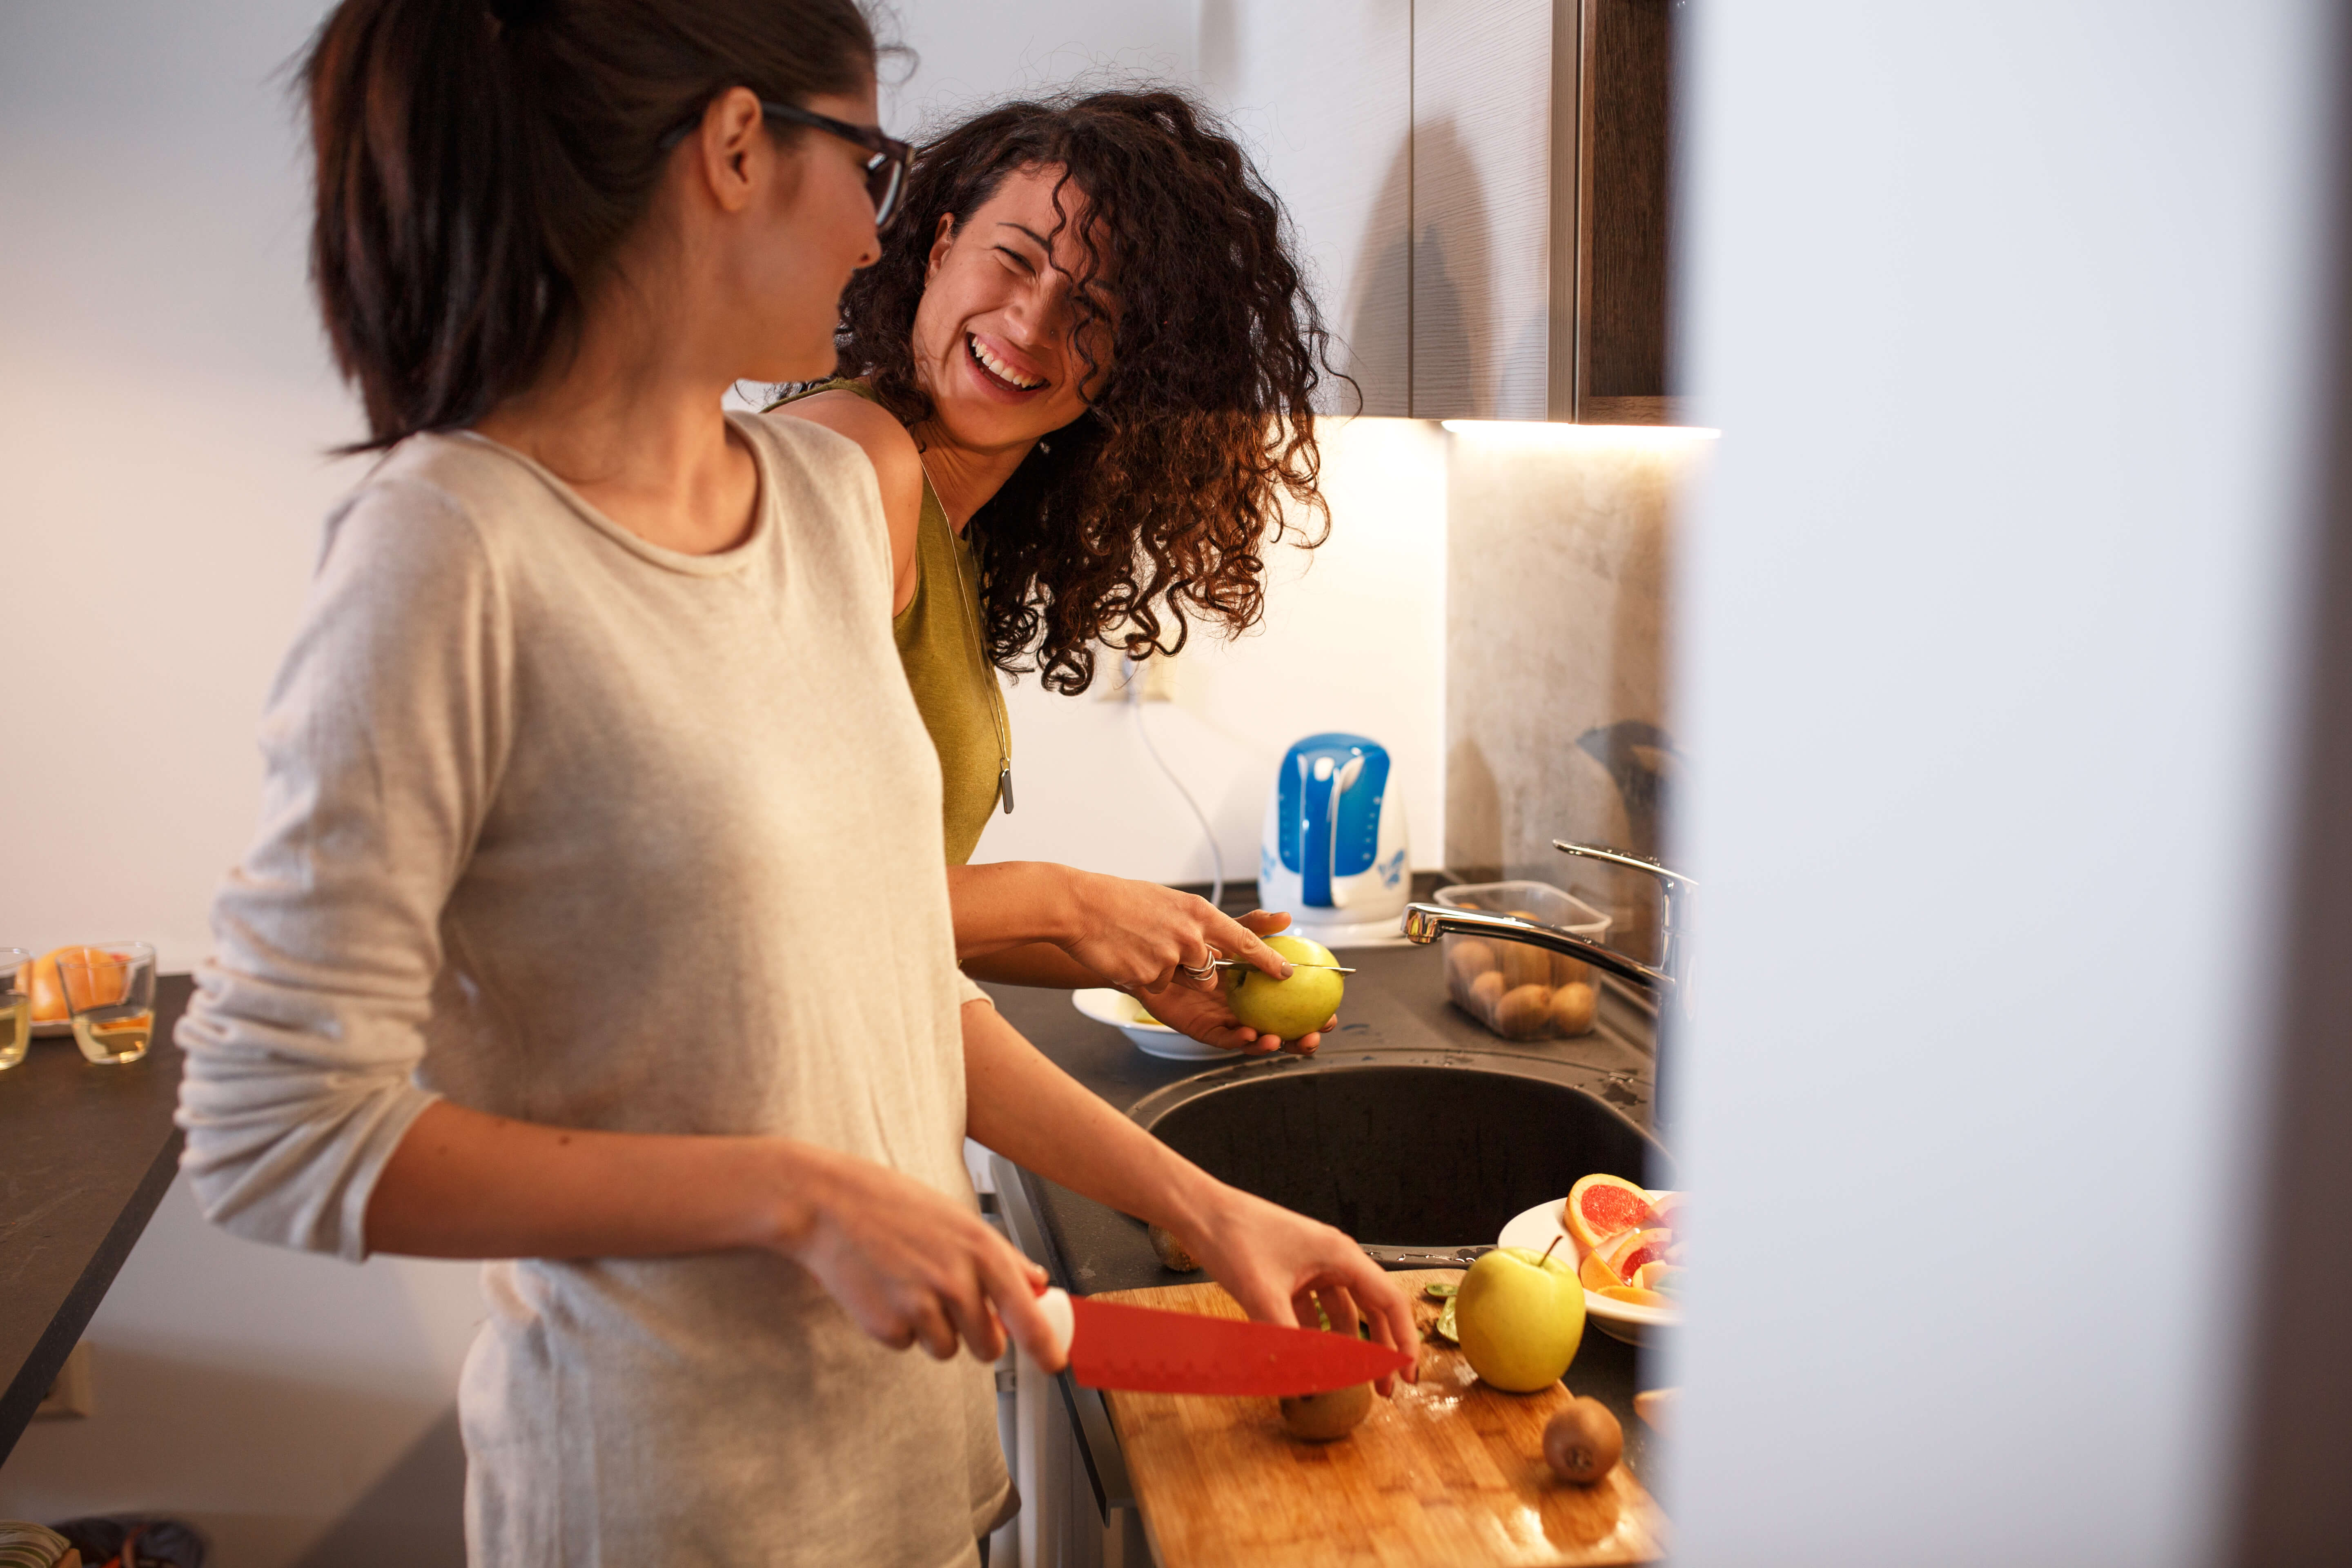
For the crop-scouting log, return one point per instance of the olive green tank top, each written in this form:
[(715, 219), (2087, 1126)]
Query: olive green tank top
[(940, 649)]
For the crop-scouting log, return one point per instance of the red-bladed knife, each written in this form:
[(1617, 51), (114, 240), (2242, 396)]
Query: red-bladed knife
[(1142, 1349)]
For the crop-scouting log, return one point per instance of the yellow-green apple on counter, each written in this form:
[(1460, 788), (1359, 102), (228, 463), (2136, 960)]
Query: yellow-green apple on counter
[(1288, 1008), (1520, 1316)]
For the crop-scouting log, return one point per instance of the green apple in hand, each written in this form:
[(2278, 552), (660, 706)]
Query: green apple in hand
[(1286, 1008), (1520, 1315)]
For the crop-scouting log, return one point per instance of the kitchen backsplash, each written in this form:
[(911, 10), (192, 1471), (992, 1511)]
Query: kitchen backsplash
[(1557, 724)]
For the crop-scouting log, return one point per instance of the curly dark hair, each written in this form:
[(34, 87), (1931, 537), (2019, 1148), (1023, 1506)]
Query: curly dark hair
[(1155, 505)]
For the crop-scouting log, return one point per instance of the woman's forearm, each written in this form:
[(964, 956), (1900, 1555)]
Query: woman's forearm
[(463, 1183), (1024, 1108), (1012, 903), (1034, 963)]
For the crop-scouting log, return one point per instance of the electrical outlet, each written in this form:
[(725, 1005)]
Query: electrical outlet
[(70, 1395), (1157, 675)]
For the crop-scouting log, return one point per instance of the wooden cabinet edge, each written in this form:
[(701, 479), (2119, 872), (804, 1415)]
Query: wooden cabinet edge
[(1633, 411)]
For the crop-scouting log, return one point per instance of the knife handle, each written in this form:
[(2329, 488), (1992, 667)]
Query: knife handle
[(1054, 1303), (1401, 1258)]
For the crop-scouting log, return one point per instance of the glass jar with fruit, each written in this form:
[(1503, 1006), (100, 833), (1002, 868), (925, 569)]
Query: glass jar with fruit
[(1519, 992)]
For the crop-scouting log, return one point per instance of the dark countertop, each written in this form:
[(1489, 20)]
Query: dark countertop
[(1395, 1004), (86, 1153)]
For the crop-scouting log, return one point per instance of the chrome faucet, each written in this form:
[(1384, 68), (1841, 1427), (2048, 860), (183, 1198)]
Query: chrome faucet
[(1426, 923)]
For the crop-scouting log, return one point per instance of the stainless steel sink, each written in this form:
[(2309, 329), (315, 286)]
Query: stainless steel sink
[(1423, 1152)]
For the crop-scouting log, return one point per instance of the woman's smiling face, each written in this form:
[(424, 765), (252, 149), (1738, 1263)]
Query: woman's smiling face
[(995, 343)]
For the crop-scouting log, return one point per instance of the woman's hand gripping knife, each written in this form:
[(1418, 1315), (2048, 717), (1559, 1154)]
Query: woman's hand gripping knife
[(1279, 1266), (910, 1265), (1031, 923)]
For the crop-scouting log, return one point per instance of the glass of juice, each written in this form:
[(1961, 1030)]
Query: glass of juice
[(16, 1005), (110, 990)]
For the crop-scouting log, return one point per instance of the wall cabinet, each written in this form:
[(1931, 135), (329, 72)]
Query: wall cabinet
[(1480, 189)]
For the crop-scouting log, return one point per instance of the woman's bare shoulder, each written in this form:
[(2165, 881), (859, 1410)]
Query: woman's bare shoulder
[(885, 441), (897, 469)]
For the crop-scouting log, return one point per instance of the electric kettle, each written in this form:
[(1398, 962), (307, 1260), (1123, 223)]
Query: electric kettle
[(1334, 852)]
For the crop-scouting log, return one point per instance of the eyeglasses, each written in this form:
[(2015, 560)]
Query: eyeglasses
[(886, 156)]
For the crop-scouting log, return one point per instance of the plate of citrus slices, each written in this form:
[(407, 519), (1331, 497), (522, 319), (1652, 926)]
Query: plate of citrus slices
[(1628, 1256)]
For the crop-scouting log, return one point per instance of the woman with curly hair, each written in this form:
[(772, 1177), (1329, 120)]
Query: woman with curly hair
[(1083, 369)]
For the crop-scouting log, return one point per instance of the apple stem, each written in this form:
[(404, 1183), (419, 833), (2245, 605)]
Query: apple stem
[(1555, 1242)]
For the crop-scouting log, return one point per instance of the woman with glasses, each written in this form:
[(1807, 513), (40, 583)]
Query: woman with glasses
[(1084, 369), (593, 712)]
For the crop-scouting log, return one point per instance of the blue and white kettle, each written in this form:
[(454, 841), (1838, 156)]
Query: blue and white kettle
[(1333, 852)]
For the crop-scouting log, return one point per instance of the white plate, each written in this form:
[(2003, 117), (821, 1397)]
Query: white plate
[(1125, 1014), (1618, 1319)]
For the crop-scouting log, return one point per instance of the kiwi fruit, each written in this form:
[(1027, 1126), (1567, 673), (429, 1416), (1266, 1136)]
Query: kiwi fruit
[(1583, 1442), (1572, 1007), (1324, 1417), (1524, 1012), (1525, 966), (1467, 959), (1173, 1254), (1486, 992), (1567, 970)]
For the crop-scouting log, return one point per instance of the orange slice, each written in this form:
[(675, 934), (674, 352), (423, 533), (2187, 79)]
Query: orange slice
[(1634, 1295), (48, 981), (1601, 1207), (1596, 1275)]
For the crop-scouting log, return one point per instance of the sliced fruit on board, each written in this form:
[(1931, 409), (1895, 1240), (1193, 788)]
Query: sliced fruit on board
[(1601, 1207), (1626, 1254)]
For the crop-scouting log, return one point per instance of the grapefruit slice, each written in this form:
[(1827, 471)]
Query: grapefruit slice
[(1601, 1206), (1626, 1255)]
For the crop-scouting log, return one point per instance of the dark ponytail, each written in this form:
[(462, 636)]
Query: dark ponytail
[(478, 163)]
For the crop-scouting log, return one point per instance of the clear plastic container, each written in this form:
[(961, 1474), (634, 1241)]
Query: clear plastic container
[(1519, 992)]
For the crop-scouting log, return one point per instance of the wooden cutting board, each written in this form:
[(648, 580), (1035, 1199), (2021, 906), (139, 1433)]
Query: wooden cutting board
[(1450, 1471)]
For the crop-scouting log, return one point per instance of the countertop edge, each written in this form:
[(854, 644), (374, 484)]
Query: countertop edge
[(32, 1381)]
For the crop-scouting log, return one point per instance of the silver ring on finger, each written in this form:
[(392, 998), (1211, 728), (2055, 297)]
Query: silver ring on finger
[(1204, 972)]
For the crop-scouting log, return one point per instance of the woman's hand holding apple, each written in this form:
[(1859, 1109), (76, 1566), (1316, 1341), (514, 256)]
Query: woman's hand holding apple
[(1138, 935)]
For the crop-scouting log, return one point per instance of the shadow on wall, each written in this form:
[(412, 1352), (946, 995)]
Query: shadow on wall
[(1451, 354), (1375, 329), (1216, 32), (235, 1452), (414, 1516)]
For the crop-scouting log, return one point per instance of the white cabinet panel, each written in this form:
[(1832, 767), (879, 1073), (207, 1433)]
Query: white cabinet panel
[(1481, 213), (1321, 96)]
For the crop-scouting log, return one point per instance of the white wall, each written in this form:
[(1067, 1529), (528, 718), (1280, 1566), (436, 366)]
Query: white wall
[(2005, 315), (967, 53), (164, 406)]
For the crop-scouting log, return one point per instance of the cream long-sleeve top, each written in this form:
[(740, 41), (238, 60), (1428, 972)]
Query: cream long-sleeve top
[(570, 828)]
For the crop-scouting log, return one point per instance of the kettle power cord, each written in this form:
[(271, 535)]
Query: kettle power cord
[(1132, 668)]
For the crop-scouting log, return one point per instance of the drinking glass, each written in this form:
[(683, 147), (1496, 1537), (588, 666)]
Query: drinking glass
[(16, 1005), (110, 990)]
